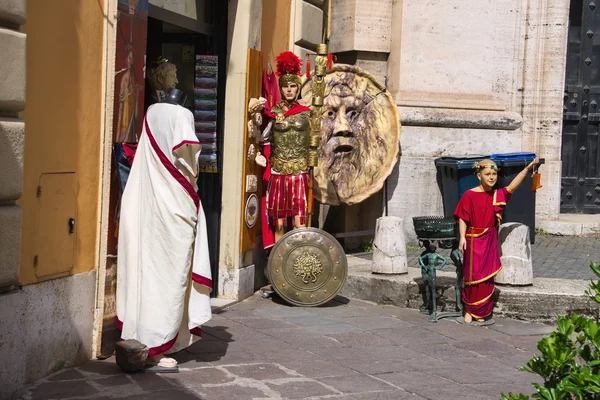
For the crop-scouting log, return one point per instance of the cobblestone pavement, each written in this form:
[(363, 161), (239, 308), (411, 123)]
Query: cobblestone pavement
[(348, 349), (565, 257)]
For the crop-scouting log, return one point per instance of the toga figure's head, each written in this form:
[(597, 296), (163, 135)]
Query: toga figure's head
[(360, 133), (163, 75)]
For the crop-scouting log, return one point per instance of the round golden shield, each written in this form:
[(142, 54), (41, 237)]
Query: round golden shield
[(360, 135), (307, 267)]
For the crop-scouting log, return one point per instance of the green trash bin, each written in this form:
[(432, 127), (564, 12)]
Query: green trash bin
[(457, 176)]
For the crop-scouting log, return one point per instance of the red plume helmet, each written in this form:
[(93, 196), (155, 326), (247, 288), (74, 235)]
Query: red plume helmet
[(288, 63), (288, 69)]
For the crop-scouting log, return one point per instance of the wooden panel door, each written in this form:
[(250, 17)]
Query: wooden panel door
[(580, 186), (251, 213)]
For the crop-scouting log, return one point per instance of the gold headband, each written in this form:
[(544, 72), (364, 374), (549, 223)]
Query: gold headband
[(477, 165)]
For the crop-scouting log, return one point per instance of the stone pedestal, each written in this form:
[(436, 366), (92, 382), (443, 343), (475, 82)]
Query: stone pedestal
[(131, 355), (515, 255), (389, 247)]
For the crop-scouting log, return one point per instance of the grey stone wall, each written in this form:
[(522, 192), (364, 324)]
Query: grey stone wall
[(12, 134), (45, 328)]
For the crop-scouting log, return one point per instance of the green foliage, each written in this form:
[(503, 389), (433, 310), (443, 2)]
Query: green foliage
[(413, 248), (541, 232), (570, 357), (368, 246)]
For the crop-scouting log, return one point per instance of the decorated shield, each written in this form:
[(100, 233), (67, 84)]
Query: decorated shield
[(360, 135), (307, 267)]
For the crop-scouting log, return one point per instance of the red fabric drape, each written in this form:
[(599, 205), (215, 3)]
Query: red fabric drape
[(482, 212)]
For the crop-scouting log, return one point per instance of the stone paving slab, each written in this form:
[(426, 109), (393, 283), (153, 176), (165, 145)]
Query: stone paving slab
[(391, 353)]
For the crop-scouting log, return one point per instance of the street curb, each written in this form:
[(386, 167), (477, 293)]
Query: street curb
[(544, 301)]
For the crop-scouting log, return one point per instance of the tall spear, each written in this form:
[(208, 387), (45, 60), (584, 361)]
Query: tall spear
[(318, 93)]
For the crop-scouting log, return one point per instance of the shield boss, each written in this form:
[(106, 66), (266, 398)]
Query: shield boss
[(307, 267)]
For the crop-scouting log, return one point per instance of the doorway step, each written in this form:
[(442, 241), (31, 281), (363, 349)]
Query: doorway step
[(571, 225)]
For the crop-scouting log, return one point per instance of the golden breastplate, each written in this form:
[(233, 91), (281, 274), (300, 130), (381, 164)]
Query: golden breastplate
[(289, 149)]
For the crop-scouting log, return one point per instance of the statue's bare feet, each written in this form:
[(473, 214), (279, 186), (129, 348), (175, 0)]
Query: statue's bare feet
[(468, 318), (161, 361)]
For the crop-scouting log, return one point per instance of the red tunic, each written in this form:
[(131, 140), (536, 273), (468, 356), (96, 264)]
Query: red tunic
[(482, 212)]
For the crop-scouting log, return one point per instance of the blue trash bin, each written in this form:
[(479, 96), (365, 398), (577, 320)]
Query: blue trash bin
[(457, 176), (521, 207)]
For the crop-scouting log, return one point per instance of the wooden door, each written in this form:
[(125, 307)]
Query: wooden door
[(580, 186), (250, 218)]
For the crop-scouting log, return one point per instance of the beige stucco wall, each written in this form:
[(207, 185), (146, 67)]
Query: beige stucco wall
[(63, 117), (275, 31), (48, 325)]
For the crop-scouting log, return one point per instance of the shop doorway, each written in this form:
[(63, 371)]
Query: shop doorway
[(145, 32), (191, 45)]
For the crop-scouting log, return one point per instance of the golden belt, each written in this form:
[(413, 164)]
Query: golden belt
[(289, 167)]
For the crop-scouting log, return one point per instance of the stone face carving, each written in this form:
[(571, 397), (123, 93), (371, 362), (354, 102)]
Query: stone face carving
[(360, 135), (389, 247), (515, 255)]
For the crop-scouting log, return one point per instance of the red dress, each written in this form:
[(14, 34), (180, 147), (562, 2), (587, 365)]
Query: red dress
[(482, 212)]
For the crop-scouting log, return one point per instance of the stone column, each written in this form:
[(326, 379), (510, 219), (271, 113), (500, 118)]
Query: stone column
[(515, 255), (306, 29), (389, 247), (12, 134), (361, 34), (244, 31)]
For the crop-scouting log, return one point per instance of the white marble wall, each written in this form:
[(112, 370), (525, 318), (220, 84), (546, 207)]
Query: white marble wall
[(475, 76)]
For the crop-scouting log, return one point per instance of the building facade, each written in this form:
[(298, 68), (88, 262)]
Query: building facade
[(57, 185), (468, 77)]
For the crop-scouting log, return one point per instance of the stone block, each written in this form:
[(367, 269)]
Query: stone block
[(308, 24), (61, 308), (361, 25), (457, 118), (131, 355), (374, 63), (515, 255), (12, 135), (545, 301), (458, 68), (429, 141), (570, 224), (12, 86), (547, 199), (389, 247), (13, 11), (10, 244), (246, 282), (411, 191)]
